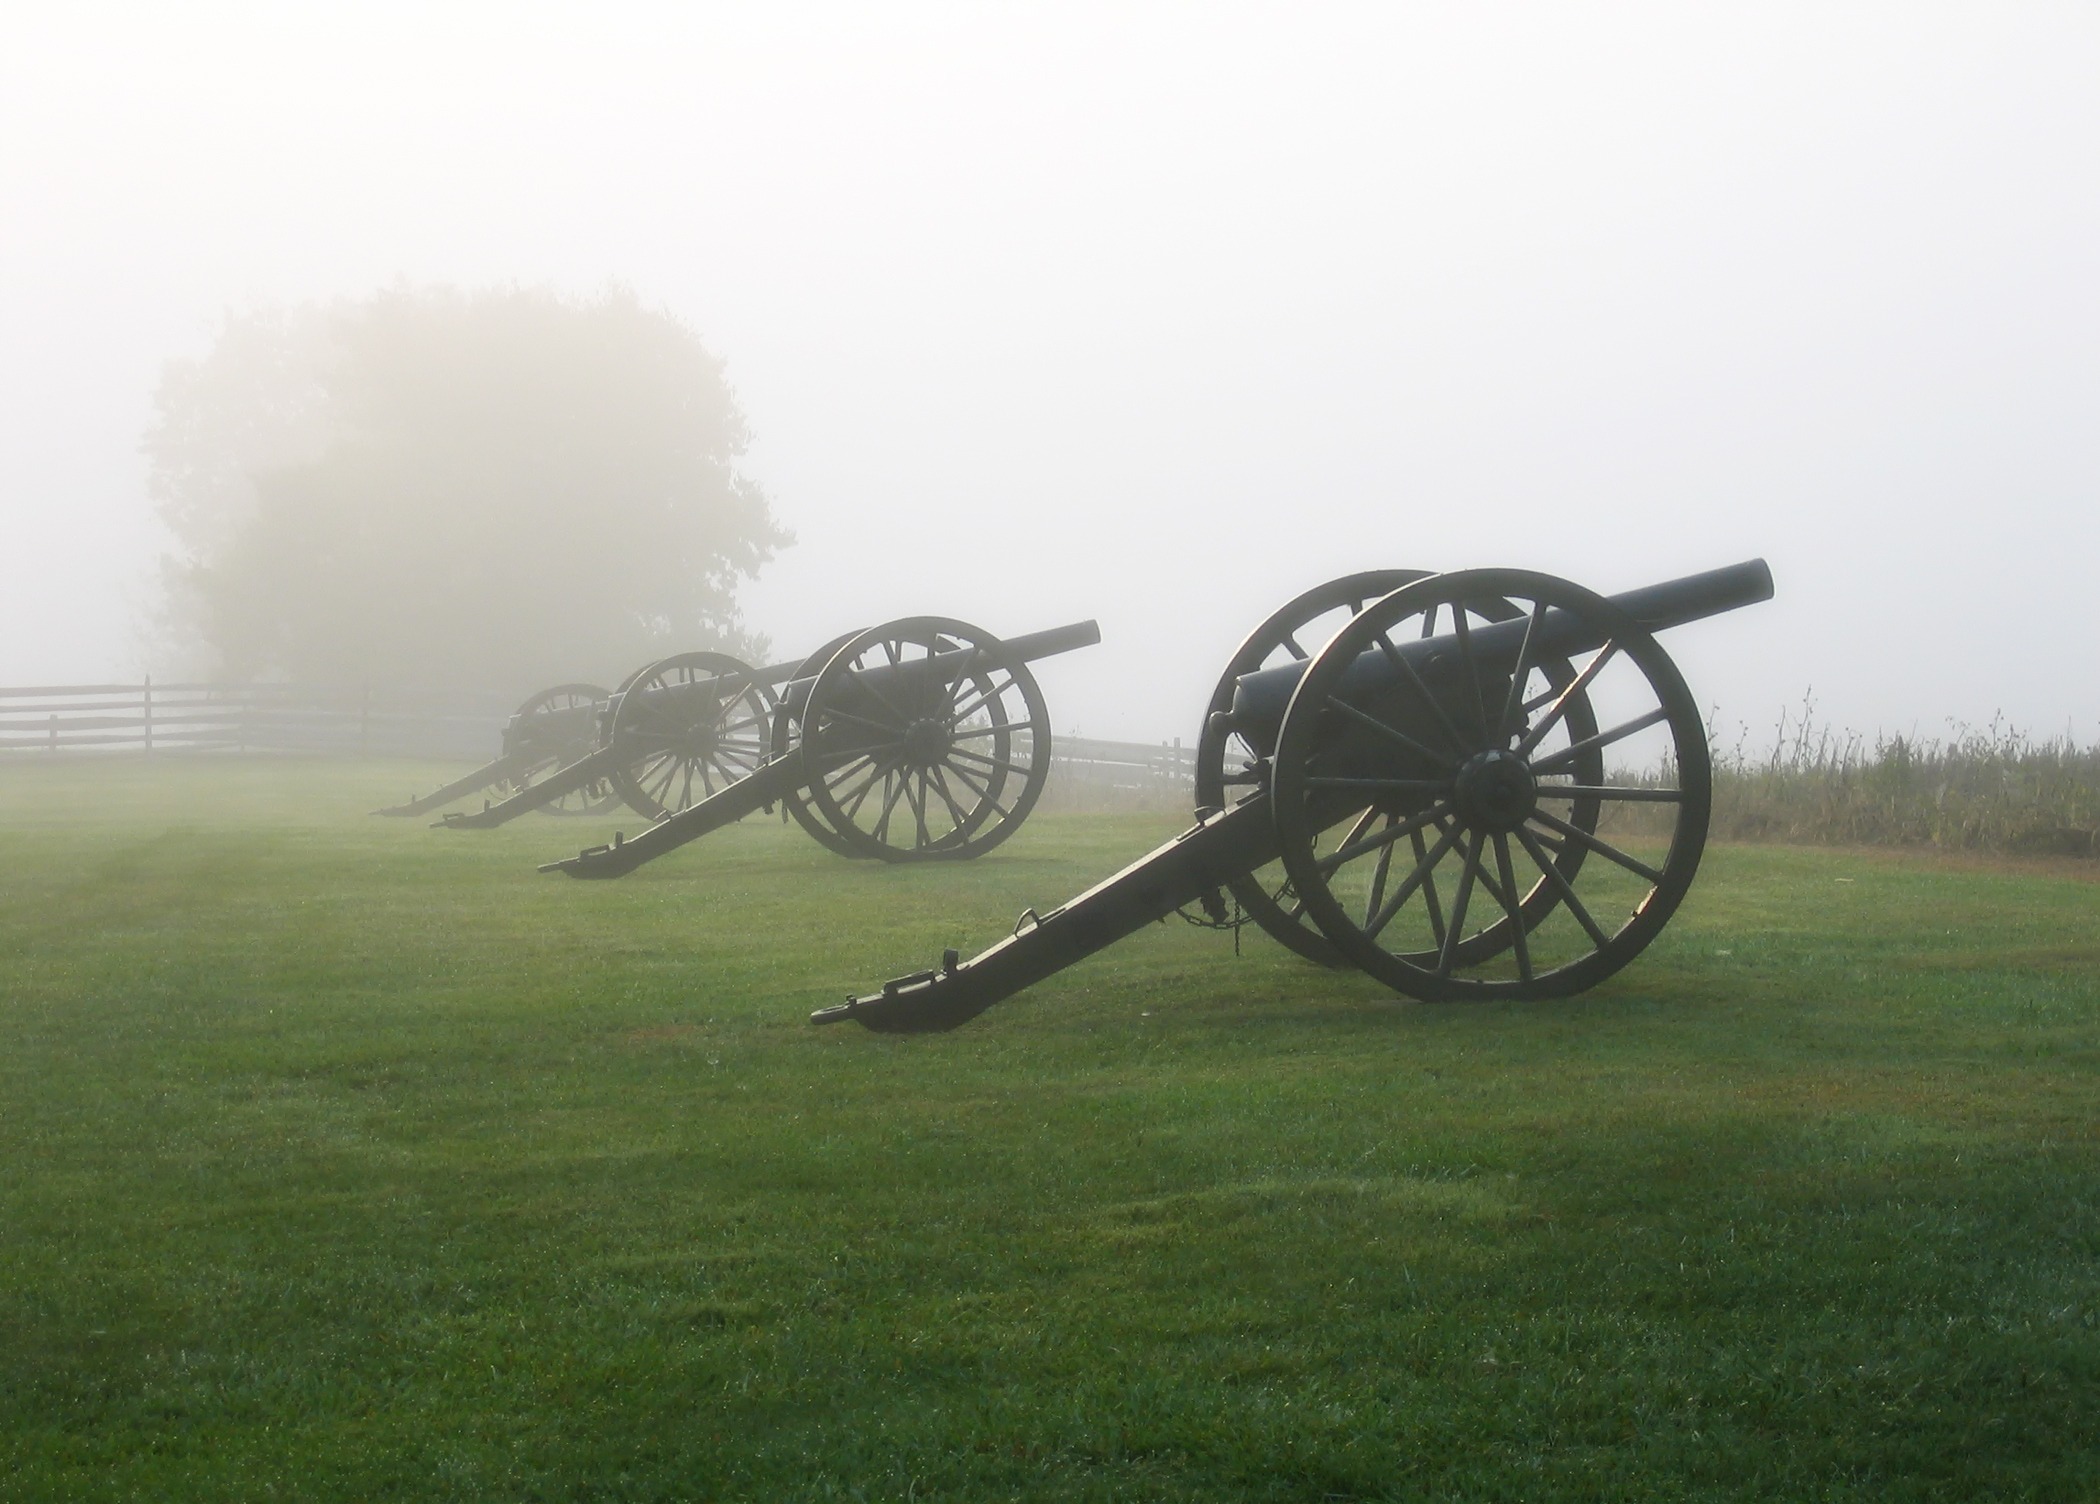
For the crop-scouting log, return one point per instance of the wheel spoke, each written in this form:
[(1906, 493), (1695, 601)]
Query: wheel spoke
[(1004, 728), (1349, 851), (1412, 881), (989, 762), (1488, 884), (1557, 760), (1363, 823), (1503, 728), (1378, 876), (983, 791), (893, 790), (1603, 848), (876, 771), (667, 766), (887, 729), (964, 673), (1364, 718), (1394, 785), (955, 812), (1400, 664), (986, 696), (1430, 899), (1449, 950), (862, 678), (1561, 885), (1610, 791), (1510, 906), (1559, 708), (918, 808), (1461, 622)]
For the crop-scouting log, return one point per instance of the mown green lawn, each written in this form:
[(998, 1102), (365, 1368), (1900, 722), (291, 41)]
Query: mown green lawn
[(343, 1158)]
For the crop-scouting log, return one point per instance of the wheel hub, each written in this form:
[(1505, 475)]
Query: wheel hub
[(926, 741), (1496, 790)]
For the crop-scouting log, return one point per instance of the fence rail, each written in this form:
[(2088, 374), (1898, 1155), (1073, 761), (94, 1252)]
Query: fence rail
[(1093, 775), (358, 721), (153, 718)]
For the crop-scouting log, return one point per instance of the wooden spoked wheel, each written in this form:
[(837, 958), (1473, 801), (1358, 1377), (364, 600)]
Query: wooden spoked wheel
[(685, 727), (921, 740), (555, 728), (1456, 823), (1229, 766)]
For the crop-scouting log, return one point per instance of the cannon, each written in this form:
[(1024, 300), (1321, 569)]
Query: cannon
[(674, 732), (1487, 783), (553, 728), (921, 739)]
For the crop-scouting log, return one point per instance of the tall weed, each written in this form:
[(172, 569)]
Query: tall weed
[(1981, 788)]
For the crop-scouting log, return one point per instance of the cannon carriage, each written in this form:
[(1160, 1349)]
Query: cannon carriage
[(674, 732), (1486, 783), (550, 730), (922, 739)]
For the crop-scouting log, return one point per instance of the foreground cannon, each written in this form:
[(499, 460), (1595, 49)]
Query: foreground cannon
[(553, 728), (921, 739), (1433, 785)]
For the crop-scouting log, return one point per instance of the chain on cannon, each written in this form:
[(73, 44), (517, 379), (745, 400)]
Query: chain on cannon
[(1486, 783), (923, 739)]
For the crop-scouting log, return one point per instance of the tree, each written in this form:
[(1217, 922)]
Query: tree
[(495, 489)]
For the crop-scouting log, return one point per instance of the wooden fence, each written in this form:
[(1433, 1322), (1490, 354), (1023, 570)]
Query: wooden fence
[(1086, 776), (239, 719), (149, 718)]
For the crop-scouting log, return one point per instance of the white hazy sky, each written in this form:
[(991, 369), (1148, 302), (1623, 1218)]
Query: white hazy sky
[(1162, 313)]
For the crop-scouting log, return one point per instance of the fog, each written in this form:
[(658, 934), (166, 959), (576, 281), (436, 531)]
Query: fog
[(1162, 314)]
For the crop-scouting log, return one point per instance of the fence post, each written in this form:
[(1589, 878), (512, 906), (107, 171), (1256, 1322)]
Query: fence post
[(364, 723), (54, 733), (147, 703)]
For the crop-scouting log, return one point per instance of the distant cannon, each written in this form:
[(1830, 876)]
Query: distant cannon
[(674, 732), (553, 728), (918, 740), (1427, 796)]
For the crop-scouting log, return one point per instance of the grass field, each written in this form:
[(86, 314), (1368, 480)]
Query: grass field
[(342, 1158)]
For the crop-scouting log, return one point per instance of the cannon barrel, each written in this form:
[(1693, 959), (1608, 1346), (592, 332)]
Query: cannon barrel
[(956, 662), (1261, 698), (779, 777)]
